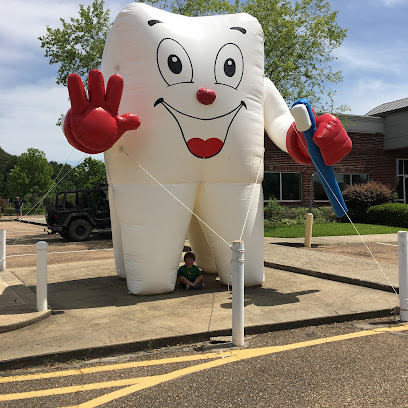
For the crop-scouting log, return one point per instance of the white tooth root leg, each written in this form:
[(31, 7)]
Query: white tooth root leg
[(224, 206), (153, 227)]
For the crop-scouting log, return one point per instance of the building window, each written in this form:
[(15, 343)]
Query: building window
[(402, 179), (342, 179), (282, 186)]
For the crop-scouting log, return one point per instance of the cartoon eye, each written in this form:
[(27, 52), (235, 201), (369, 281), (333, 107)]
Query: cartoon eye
[(173, 62), (229, 65)]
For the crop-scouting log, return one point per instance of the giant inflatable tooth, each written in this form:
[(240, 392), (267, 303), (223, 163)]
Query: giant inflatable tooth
[(197, 84)]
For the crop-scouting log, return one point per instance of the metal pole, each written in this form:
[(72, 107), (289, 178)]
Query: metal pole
[(42, 303), (403, 274), (311, 193), (237, 267), (2, 250)]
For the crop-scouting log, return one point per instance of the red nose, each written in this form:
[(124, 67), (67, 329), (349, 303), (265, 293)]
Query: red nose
[(206, 96)]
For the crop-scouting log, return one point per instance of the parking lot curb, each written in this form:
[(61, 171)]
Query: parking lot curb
[(157, 343)]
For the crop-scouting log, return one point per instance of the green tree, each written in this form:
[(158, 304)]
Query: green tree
[(31, 175), (197, 7), (78, 45), (89, 174), (299, 41), (62, 174), (7, 162)]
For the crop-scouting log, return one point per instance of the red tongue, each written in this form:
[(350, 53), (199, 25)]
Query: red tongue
[(204, 148)]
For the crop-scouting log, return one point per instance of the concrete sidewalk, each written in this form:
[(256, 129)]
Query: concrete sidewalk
[(93, 314), (287, 254)]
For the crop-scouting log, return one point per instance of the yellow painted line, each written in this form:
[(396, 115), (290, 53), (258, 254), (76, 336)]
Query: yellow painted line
[(235, 355), (148, 382), (136, 384), (68, 390), (111, 367)]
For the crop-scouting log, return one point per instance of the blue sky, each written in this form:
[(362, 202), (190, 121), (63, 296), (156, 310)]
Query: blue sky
[(373, 58)]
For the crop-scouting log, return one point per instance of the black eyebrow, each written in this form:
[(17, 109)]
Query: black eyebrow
[(153, 22), (243, 31)]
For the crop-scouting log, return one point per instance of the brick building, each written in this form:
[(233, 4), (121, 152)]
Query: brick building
[(380, 153)]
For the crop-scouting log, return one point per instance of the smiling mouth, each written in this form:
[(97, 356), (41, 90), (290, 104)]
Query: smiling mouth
[(203, 149)]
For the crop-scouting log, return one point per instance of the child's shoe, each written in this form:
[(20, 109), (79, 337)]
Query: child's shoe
[(199, 286)]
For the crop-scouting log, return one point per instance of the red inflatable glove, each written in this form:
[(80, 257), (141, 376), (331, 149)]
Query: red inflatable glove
[(330, 137), (296, 145), (94, 126)]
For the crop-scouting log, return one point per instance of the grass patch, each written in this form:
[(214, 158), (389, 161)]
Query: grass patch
[(328, 229)]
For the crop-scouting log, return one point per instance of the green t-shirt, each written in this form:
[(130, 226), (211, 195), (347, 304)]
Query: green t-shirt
[(189, 273)]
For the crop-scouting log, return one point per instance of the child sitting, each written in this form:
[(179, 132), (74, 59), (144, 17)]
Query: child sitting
[(189, 275)]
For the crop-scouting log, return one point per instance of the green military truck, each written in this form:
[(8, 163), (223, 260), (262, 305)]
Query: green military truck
[(77, 213)]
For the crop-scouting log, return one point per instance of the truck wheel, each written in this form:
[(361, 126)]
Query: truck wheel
[(79, 230), (49, 214)]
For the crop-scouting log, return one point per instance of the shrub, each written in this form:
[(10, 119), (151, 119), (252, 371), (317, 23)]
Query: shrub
[(9, 211), (393, 214), (273, 211), (276, 214), (324, 214), (360, 197)]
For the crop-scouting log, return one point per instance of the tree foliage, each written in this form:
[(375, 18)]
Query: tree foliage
[(196, 7), (62, 176), (7, 162), (89, 174), (31, 175), (78, 45), (299, 41)]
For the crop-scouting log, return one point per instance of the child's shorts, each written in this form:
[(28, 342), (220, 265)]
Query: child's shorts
[(183, 285)]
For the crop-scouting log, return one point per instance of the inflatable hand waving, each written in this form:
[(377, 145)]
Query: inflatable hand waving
[(197, 83), (93, 125)]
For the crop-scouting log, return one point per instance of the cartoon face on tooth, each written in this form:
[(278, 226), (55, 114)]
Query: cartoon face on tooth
[(176, 68)]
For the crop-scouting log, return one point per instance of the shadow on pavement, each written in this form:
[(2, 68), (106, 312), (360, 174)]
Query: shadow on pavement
[(269, 297), (112, 291)]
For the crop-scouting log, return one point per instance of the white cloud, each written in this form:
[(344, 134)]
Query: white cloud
[(372, 75), (28, 115), (370, 59), (392, 3), (363, 95), (23, 21), (30, 102)]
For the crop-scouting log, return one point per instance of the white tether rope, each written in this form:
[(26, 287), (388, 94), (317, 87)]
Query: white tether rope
[(348, 217)]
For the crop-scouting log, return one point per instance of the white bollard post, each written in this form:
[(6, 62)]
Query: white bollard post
[(403, 274), (237, 266), (308, 230), (42, 303), (2, 250)]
